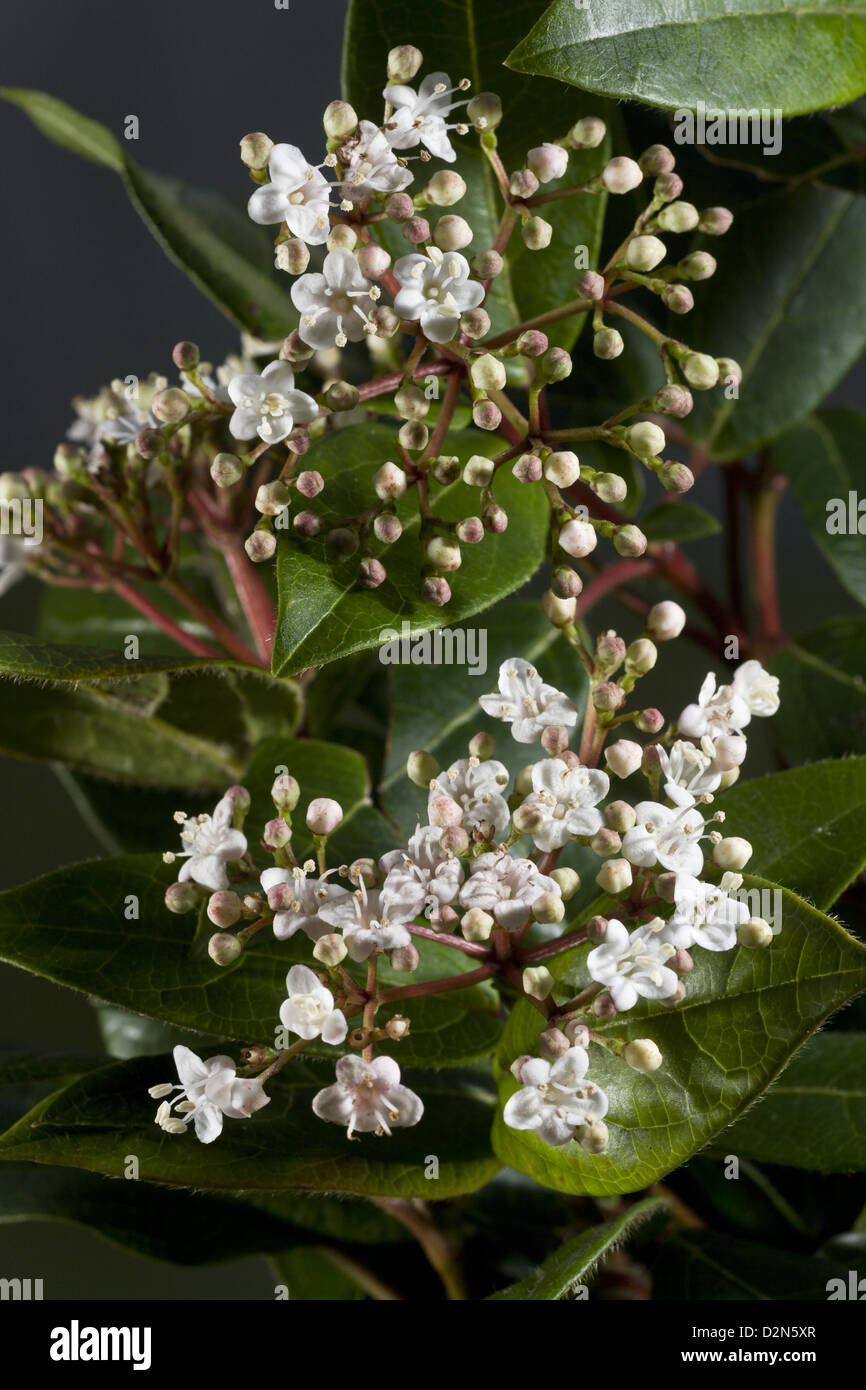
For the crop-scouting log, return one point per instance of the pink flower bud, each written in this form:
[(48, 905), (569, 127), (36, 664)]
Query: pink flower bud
[(495, 519), (678, 298), (400, 207), (275, 835), (650, 721), (444, 811), (565, 582), (405, 959), (387, 528), (675, 477), (323, 815), (527, 469), (309, 483), (603, 1006), (552, 1043), (590, 285), (486, 265), (285, 793), (673, 400), (730, 751), (470, 531), (224, 908), (435, 590), (554, 740), (548, 162), (629, 540), (715, 221), (658, 159), (307, 523), (668, 186), (416, 230), (260, 546), (371, 573), (223, 948), (486, 415), (373, 261), (522, 183), (608, 696), (532, 343), (454, 840)]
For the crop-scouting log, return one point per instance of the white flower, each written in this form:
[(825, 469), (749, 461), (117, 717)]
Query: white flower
[(13, 561), (372, 919), (309, 1010), (335, 305), (757, 688), (367, 1096), (506, 888), (436, 290), (309, 897), (688, 771), (298, 194), (420, 116), (268, 405), (526, 703), (665, 836), (477, 787), (554, 1099), (566, 798), (633, 964), (372, 166), (424, 871), (208, 1091), (211, 843), (717, 712), (704, 914)]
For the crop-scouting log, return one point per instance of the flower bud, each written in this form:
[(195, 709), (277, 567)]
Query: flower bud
[(548, 907), (275, 835), (527, 469), (307, 523), (293, 255), (755, 933), (285, 793), (413, 435), (673, 400), (371, 573), (537, 981), (642, 655), (678, 217), (444, 554), (665, 621), (444, 811), (323, 815), (548, 162), (594, 1136), (341, 395), (578, 538), (667, 187), (650, 721), (522, 184), (715, 221), (417, 230), (478, 471), (609, 651), (486, 415), (607, 343), (563, 469), (666, 886), (260, 546), (730, 750), (527, 818), (596, 930), (400, 207), (476, 925), (729, 371), (484, 111), (609, 487), (405, 959), (568, 882), (675, 477), (185, 356), (700, 370), (495, 519), (452, 233), (642, 1055), (517, 1065), (576, 1032), (436, 590), (621, 175), (678, 298), (619, 816), (342, 235), (487, 373), (339, 120), (454, 840), (554, 740), (256, 150), (364, 870), (629, 540), (680, 963), (555, 365), (486, 265), (475, 323), (183, 897), (537, 233), (403, 63), (732, 853), (224, 908), (272, 498), (387, 528), (566, 583), (226, 470), (373, 261), (523, 781), (412, 404), (397, 1027), (389, 481), (645, 439), (559, 611), (445, 189), (698, 265), (658, 159), (587, 133), (645, 253), (605, 842), (672, 999), (330, 950), (623, 757), (170, 406), (590, 285), (552, 1043), (294, 350), (223, 948)]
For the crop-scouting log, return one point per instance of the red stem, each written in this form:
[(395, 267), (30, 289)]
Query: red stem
[(252, 595)]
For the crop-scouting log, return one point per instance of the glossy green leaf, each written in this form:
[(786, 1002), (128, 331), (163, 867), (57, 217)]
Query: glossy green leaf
[(704, 1267), (71, 927), (788, 302), (678, 521), (814, 1117), (445, 726), (471, 38), (208, 236), (777, 54), (805, 825), (823, 711), (30, 1068), (824, 460), (575, 1262), (95, 1122), (324, 614), (744, 1016)]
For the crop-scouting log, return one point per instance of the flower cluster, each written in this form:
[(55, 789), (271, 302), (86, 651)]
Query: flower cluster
[(482, 874)]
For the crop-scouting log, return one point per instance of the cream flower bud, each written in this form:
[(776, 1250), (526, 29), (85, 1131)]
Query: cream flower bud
[(444, 554), (619, 816), (323, 815), (260, 546), (552, 1043), (578, 538), (482, 746), (421, 768), (444, 811), (256, 150), (559, 611), (487, 373), (528, 819), (642, 655), (547, 162), (607, 343), (223, 948), (403, 63), (183, 897), (522, 183), (605, 842), (699, 265), (170, 406), (537, 981), (339, 120), (645, 439), (642, 1055), (330, 949), (567, 881), (621, 175), (587, 133), (732, 853), (537, 233), (404, 959), (293, 256), (730, 750), (452, 233), (478, 471), (272, 498), (224, 908), (755, 933), (445, 188), (678, 217), (485, 111), (594, 1137), (665, 621), (623, 757), (700, 370), (226, 470), (548, 907), (389, 481), (562, 468), (285, 793), (614, 876), (477, 925), (645, 252)]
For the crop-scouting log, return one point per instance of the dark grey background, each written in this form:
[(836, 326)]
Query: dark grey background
[(88, 295)]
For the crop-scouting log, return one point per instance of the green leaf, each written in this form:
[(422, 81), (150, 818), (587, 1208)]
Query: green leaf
[(444, 728), (744, 1015), (311, 1276), (209, 237), (324, 614), (156, 721), (788, 302), (678, 521), (825, 462), (574, 1262), (823, 710), (805, 825), (471, 38), (27, 1068), (703, 1266), (783, 55), (814, 1117), (70, 926), (96, 1121)]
